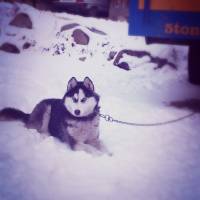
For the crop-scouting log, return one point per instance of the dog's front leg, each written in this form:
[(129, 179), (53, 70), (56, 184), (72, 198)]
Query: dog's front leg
[(80, 146), (100, 146)]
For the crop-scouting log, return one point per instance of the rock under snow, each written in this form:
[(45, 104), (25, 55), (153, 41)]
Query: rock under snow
[(122, 62), (80, 37), (94, 30), (26, 45), (111, 55), (22, 20), (68, 26), (10, 48)]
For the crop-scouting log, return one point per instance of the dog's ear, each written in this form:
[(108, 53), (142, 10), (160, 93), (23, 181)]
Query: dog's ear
[(88, 83), (71, 84)]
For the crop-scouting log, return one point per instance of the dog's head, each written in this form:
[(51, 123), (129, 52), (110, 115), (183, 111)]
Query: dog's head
[(80, 99)]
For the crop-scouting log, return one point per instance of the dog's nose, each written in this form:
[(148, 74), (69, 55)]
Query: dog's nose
[(77, 112)]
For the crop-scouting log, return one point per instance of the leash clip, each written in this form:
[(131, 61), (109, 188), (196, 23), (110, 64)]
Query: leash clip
[(108, 118)]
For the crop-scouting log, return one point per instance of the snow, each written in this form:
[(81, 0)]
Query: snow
[(148, 163)]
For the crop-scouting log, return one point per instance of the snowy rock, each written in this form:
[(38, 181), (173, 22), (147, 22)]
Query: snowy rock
[(68, 26), (124, 65), (111, 55), (105, 44), (59, 48), (80, 37), (10, 48), (82, 58), (22, 20), (94, 30), (140, 55), (26, 45)]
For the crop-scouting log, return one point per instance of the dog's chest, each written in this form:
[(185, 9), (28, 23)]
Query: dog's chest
[(83, 131)]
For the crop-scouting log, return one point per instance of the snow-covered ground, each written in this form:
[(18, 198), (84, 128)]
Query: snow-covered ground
[(148, 163)]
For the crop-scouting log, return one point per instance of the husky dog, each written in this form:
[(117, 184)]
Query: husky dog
[(74, 119)]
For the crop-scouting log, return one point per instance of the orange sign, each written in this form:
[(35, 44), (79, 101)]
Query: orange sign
[(172, 5)]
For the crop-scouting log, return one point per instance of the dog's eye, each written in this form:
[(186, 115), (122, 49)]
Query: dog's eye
[(74, 100), (83, 100)]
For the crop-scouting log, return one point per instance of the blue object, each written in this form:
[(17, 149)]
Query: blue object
[(163, 23)]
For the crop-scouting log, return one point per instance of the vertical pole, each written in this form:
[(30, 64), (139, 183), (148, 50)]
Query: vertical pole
[(194, 62)]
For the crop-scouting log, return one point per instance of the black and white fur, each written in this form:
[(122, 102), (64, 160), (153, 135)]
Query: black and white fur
[(74, 119)]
